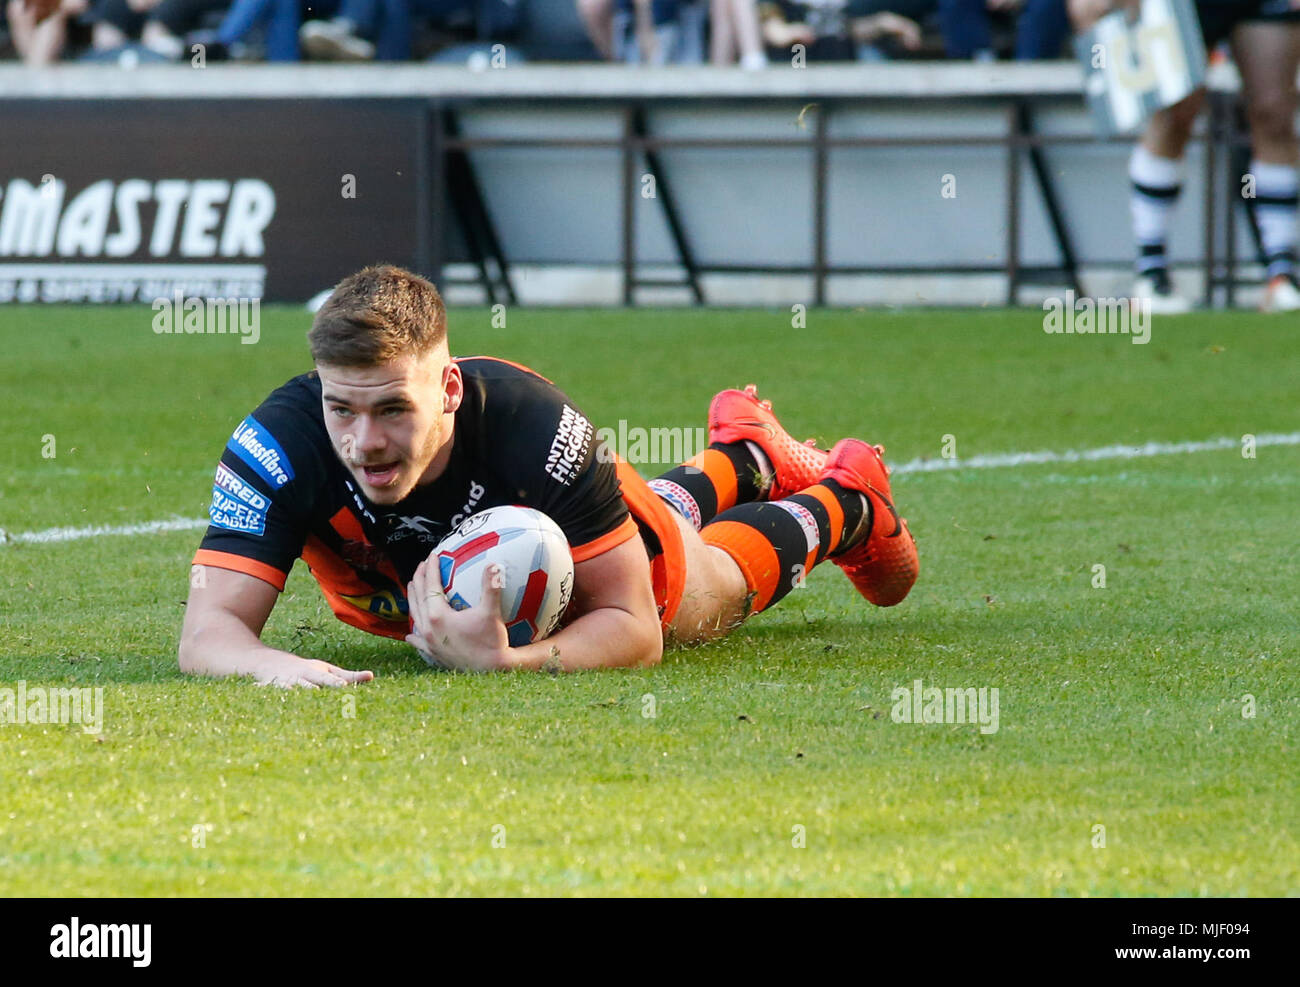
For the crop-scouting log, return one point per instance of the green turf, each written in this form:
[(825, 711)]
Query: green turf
[(1120, 707)]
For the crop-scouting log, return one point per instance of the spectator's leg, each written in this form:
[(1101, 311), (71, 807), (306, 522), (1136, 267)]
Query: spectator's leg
[(647, 45), (36, 44), (106, 37), (282, 31), (344, 36), (667, 31), (22, 22), (395, 32), (395, 35), (748, 34), (598, 18), (115, 25), (362, 16), (623, 23), (722, 38), (158, 39), (283, 18), (169, 22), (1267, 55), (1041, 29), (241, 18), (182, 16), (692, 20), (965, 28)]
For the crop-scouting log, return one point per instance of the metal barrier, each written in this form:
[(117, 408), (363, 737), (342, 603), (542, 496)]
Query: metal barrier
[(447, 92)]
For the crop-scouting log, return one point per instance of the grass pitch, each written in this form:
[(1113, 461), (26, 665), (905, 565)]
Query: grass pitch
[(1120, 707)]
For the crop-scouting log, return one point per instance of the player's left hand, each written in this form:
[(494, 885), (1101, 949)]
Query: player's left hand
[(473, 640)]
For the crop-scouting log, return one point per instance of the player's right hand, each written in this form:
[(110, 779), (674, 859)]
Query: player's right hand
[(290, 672)]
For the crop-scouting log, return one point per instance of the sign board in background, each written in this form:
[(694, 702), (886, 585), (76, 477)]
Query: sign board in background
[(1133, 69), (100, 202)]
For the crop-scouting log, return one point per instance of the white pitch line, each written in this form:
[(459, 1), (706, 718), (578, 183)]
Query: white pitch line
[(50, 535), (995, 461), (1143, 451)]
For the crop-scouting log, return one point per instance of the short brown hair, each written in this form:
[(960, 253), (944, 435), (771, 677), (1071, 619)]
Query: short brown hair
[(377, 315)]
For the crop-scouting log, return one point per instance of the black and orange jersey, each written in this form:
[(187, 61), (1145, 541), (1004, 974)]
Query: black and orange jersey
[(281, 492)]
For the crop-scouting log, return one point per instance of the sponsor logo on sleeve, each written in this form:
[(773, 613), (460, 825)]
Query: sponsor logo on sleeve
[(235, 505), (228, 513), (230, 481), (569, 447), (257, 447)]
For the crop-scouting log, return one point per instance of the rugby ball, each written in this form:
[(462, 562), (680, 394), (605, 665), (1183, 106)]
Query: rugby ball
[(536, 568)]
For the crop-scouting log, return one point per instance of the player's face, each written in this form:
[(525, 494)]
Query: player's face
[(390, 424)]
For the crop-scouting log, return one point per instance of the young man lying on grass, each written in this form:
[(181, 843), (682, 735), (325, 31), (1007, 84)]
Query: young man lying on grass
[(363, 465)]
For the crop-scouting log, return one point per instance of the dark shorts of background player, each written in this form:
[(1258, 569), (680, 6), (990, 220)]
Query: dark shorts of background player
[(1219, 17)]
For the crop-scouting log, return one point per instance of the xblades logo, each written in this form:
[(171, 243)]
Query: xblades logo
[(400, 527)]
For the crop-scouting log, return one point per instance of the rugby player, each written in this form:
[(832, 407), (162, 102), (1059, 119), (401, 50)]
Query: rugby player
[(363, 465), (1265, 39)]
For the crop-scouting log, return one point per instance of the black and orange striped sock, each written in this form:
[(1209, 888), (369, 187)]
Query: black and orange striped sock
[(776, 544), (716, 480)]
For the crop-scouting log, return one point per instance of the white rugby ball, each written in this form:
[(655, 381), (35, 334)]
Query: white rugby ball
[(536, 568)]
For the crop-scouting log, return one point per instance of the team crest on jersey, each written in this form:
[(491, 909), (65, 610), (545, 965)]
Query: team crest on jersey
[(361, 555)]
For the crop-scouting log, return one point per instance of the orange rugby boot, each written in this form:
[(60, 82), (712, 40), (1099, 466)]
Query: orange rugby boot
[(739, 416), (882, 564)]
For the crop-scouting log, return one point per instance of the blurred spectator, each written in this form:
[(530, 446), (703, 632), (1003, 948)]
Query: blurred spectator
[(832, 30), (385, 29), (160, 25), (598, 18), (733, 26), (40, 30), (659, 32), (279, 19), (1041, 27)]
